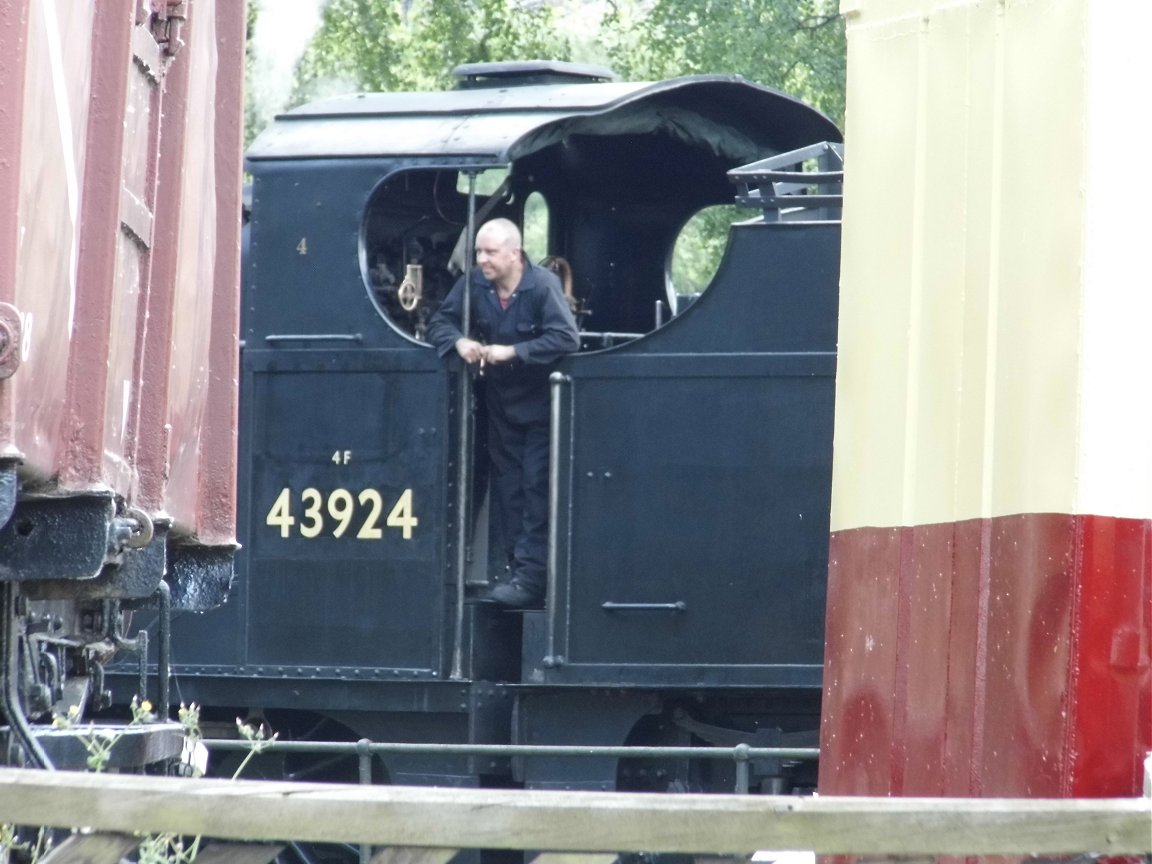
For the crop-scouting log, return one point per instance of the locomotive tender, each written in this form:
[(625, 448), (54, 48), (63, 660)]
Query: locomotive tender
[(691, 456)]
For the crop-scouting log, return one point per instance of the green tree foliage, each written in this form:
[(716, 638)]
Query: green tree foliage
[(390, 45), (700, 246), (251, 116), (796, 46), (793, 45)]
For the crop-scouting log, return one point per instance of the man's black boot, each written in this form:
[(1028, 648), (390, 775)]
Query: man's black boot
[(517, 594)]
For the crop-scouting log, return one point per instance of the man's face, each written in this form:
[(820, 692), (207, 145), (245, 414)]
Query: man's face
[(496, 256)]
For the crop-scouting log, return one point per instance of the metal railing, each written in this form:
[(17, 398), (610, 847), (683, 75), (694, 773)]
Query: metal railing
[(742, 754), (802, 184)]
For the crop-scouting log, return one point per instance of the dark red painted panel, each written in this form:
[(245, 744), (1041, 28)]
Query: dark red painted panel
[(1112, 690), (198, 255), (82, 432), (151, 451), (967, 652), (925, 607), (1030, 608), (104, 244), (856, 737), (218, 453), (13, 21), (1011, 657)]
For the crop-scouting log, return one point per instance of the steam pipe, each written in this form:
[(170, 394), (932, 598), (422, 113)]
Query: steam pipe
[(12, 705)]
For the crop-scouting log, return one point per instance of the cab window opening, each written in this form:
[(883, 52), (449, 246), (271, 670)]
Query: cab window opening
[(411, 232), (698, 250), (536, 226), (638, 258)]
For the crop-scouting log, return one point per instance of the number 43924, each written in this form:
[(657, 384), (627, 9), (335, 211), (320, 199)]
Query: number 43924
[(340, 511)]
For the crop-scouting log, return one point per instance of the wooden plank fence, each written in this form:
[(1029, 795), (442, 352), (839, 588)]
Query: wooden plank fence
[(422, 820)]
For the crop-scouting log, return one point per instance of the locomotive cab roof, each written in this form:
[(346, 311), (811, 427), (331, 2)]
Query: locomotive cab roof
[(743, 121)]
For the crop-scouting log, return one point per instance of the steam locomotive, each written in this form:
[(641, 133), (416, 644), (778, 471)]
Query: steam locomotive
[(691, 435)]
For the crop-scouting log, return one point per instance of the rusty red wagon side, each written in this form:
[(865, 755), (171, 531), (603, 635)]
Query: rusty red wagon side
[(120, 182)]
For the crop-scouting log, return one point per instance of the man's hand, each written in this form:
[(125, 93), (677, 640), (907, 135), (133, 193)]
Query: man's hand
[(499, 354), (471, 350)]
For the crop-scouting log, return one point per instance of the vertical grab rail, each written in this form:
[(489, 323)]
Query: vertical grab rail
[(557, 381), (163, 598), (464, 456), (364, 762)]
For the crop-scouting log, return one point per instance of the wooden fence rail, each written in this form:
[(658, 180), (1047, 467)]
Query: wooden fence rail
[(572, 821)]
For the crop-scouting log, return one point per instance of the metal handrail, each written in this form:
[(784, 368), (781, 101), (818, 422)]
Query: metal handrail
[(781, 187), (364, 749)]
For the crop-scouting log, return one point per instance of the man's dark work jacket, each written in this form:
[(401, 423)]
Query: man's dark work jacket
[(537, 323)]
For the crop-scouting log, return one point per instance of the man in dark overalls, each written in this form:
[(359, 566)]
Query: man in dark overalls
[(521, 325)]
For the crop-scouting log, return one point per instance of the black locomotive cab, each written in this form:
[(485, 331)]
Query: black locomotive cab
[(691, 435), (608, 177)]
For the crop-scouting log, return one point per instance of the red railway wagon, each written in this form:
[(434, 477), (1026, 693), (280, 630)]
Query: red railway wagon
[(990, 583), (120, 183)]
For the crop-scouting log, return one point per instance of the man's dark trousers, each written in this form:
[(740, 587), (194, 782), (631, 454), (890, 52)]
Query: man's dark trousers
[(519, 461)]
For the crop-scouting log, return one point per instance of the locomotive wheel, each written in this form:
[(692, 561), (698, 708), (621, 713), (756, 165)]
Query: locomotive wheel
[(301, 767), (318, 853), (318, 768)]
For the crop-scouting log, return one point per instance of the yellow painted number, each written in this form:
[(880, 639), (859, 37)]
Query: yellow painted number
[(401, 516), (344, 508), (280, 516), (371, 499), (340, 508), (313, 522)]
